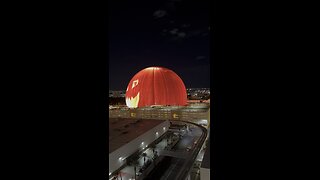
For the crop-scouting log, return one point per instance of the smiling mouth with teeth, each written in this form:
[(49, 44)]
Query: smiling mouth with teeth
[(132, 102)]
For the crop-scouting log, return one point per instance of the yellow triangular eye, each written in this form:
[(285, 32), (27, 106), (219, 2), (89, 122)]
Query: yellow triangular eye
[(135, 83)]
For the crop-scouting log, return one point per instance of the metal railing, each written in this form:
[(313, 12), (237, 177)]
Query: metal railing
[(187, 166)]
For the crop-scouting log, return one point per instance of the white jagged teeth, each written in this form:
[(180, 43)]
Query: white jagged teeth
[(133, 101)]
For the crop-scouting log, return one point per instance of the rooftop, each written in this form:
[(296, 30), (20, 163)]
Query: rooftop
[(122, 131)]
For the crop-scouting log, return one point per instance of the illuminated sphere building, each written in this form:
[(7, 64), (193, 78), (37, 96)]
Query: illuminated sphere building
[(156, 86)]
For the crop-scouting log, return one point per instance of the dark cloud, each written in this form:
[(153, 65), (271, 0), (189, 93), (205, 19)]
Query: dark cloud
[(185, 25), (160, 13), (174, 31)]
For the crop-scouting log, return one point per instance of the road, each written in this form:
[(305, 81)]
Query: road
[(171, 167)]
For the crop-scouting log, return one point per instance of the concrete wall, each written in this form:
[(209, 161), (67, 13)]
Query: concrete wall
[(136, 144), (204, 174), (186, 114)]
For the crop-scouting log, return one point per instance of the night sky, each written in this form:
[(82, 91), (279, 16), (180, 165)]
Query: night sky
[(169, 33)]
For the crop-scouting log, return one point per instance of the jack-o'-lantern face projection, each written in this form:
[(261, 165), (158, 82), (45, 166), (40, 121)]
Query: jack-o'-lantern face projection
[(156, 86)]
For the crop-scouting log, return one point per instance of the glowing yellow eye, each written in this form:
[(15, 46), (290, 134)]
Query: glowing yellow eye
[(135, 83)]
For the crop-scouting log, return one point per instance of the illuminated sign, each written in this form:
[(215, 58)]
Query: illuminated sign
[(133, 114), (175, 116)]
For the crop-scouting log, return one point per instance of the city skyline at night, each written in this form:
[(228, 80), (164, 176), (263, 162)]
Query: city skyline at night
[(159, 89)]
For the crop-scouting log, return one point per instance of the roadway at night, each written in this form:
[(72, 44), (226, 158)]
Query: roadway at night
[(173, 167)]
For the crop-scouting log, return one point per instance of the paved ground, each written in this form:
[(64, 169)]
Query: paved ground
[(170, 166)]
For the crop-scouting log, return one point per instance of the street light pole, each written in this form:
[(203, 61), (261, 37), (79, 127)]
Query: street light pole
[(135, 172)]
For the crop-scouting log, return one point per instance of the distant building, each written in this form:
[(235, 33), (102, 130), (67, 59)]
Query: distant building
[(198, 93), (116, 93)]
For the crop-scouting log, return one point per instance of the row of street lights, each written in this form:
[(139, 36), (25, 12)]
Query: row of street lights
[(121, 159)]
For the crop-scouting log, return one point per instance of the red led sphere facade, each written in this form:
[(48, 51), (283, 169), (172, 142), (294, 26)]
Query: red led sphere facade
[(156, 86)]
